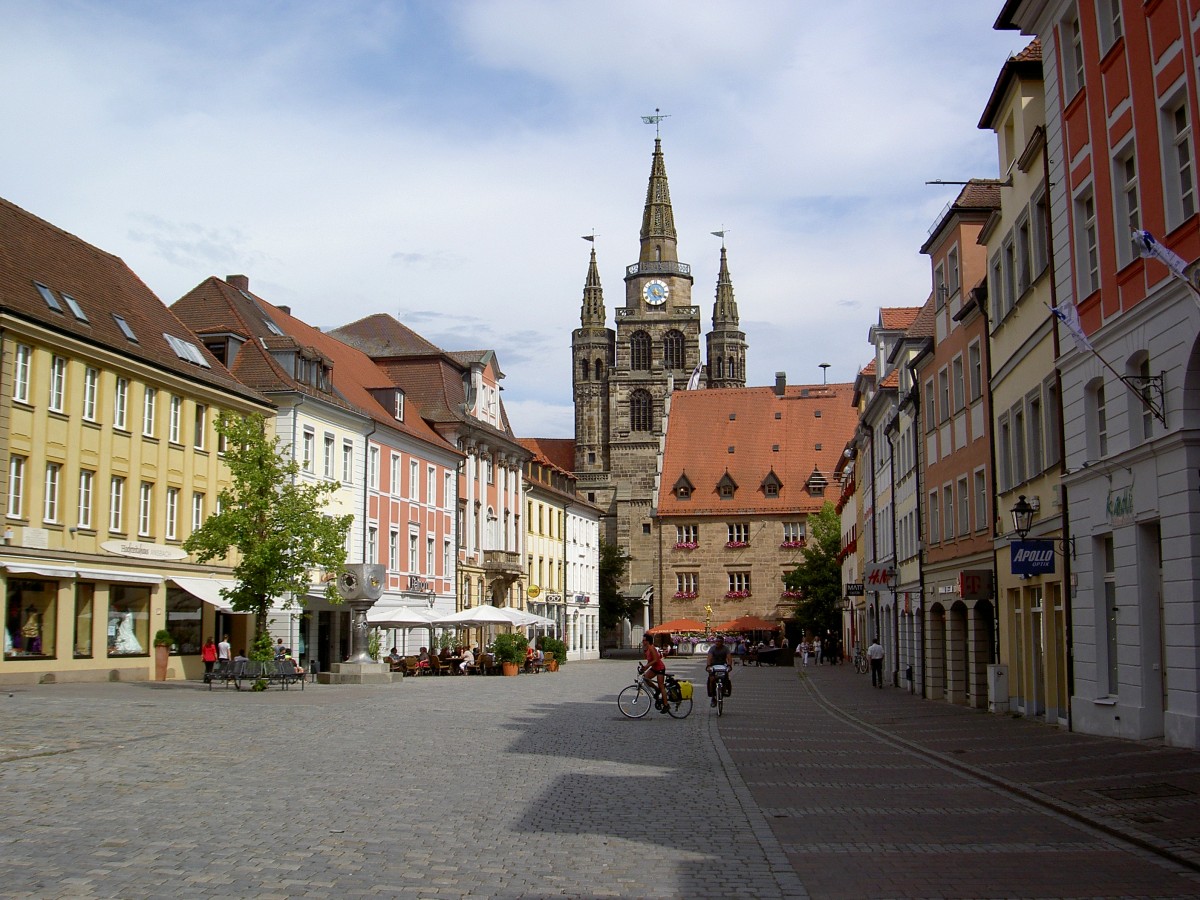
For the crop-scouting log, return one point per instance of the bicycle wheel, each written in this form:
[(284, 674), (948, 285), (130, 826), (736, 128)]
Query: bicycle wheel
[(719, 693), (634, 701), (680, 709)]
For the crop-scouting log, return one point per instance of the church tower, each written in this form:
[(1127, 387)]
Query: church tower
[(619, 413), (726, 344)]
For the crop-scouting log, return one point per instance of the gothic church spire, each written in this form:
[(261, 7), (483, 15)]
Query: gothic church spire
[(658, 221), (592, 315)]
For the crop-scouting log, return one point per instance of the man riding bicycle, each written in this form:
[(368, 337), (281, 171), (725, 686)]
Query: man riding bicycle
[(718, 655)]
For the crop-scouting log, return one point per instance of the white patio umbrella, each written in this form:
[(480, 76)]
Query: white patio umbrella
[(477, 616), (401, 617)]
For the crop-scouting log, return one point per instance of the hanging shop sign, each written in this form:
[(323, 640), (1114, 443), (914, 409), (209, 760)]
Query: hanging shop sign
[(855, 589), (1032, 557), (975, 584), (1120, 506)]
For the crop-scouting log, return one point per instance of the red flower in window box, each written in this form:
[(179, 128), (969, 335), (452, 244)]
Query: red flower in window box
[(736, 545)]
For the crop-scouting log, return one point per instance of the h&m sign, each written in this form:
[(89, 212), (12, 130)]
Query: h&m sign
[(878, 578)]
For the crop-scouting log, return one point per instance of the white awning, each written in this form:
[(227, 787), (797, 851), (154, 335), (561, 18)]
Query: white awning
[(207, 589), (127, 577), (46, 570)]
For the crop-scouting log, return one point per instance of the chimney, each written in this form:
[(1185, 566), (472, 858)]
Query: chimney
[(780, 383), (241, 282), (286, 309)]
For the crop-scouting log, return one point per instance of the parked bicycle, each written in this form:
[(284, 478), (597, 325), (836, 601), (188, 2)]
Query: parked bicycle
[(861, 665), (720, 686), (638, 699)]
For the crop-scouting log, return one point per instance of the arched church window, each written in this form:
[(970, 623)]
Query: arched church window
[(639, 351), (640, 411), (673, 350), (719, 368), (599, 368), (583, 370)]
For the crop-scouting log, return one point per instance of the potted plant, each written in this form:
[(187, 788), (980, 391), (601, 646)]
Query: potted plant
[(509, 650), (162, 650), (555, 646)]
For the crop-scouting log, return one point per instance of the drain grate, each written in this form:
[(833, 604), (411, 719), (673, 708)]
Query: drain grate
[(1144, 792)]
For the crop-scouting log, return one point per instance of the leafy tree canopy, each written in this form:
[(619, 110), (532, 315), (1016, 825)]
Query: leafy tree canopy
[(818, 577), (273, 520), (614, 607)]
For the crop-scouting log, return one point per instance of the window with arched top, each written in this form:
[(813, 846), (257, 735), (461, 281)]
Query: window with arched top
[(599, 368), (719, 368), (673, 350), (583, 370), (639, 351), (641, 416)]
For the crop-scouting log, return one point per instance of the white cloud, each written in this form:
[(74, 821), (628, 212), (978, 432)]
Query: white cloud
[(440, 161)]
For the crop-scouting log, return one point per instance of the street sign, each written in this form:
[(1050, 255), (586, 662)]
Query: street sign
[(975, 584), (855, 589)]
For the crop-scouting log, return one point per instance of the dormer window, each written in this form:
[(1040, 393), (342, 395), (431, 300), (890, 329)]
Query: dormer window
[(771, 484), (399, 407), (683, 488), (816, 483), (726, 487)]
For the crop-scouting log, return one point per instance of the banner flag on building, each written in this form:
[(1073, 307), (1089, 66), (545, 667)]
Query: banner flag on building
[(694, 381), (1069, 316), (1149, 248)]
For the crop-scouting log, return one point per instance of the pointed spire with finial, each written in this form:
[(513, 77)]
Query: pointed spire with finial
[(658, 221), (725, 311), (592, 315)]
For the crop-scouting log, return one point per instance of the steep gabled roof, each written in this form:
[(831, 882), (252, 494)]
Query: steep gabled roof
[(102, 288), (559, 452), (746, 433)]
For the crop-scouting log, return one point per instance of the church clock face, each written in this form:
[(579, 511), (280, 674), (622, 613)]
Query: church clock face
[(655, 292)]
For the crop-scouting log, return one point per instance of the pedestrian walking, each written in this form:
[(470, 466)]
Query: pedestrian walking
[(208, 653), (224, 654), (817, 649), (875, 655)]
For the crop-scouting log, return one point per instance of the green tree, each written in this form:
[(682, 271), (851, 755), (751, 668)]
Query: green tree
[(614, 607), (818, 577), (275, 523)]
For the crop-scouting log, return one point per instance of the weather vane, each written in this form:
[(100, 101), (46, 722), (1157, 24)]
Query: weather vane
[(721, 235), (654, 120)]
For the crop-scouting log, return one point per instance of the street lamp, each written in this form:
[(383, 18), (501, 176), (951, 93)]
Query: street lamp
[(1022, 516)]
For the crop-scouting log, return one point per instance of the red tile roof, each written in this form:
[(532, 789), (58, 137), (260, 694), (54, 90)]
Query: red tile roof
[(897, 318), (33, 250), (735, 431), (559, 452)]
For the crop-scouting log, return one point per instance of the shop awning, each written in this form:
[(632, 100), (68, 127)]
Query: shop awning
[(126, 577), (44, 569), (207, 589)]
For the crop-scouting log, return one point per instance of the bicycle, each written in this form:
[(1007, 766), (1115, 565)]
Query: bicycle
[(861, 665), (720, 686), (637, 699)]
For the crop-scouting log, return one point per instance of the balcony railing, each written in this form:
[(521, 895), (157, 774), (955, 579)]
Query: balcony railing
[(502, 562), (658, 268)]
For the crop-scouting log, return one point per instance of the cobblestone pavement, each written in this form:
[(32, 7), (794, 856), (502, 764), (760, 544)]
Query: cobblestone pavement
[(876, 793), (813, 784)]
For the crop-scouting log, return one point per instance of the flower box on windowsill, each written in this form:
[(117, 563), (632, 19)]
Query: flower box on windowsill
[(791, 595), (736, 595), (686, 545), (793, 545), (736, 545), (685, 595)]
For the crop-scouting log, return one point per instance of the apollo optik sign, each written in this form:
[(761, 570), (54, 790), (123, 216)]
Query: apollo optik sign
[(1032, 557)]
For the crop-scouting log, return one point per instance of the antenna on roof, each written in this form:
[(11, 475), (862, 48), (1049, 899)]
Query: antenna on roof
[(825, 372)]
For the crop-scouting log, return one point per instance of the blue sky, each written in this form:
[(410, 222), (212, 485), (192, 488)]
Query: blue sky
[(440, 160)]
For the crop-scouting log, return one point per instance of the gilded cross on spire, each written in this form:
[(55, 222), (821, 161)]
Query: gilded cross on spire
[(654, 120)]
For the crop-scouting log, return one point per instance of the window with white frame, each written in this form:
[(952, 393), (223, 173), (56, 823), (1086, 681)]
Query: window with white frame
[(58, 383), (975, 370), (1108, 19), (1020, 470), (964, 506), (22, 363), (327, 459), (935, 529), (308, 450), (175, 419), (50, 497), (491, 470), (793, 532), (1178, 170), (940, 291), (947, 512), (739, 532), (687, 534), (1041, 234), (116, 503), (121, 404), (171, 527), (445, 557), (1050, 412), (1086, 248), (1004, 450), (429, 555), (414, 484), (148, 402), (430, 486), (83, 513), (91, 384), (981, 498), (395, 488), (372, 544), (412, 552), (1024, 246), (943, 394), (739, 583), (347, 462), (197, 510), (16, 486), (960, 387), (687, 583), (1125, 201), (394, 550), (930, 406), (373, 468), (1072, 43), (1009, 255), (199, 426), (1033, 424), (447, 490), (996, 289), (145, 509), (953, 277)]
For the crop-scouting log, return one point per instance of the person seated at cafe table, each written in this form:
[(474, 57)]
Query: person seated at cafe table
[(468, 661), (529, 657), (423, 658)]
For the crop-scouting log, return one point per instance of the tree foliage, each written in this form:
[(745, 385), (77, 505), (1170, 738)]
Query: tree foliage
[(614, 607), (275, 522), (818, 577)]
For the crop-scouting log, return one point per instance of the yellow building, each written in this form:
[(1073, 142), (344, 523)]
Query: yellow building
[(109, 460)]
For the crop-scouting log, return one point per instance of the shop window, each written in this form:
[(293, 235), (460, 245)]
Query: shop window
[(183, 621), (85, 600), (128, 620), (29, 619)]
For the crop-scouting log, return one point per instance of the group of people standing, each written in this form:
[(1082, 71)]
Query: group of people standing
[(822, 650)]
